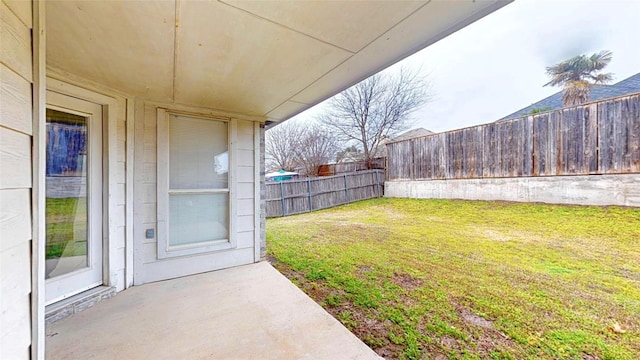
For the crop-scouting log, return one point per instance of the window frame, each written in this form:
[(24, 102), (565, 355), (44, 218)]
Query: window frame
[(164, 249)]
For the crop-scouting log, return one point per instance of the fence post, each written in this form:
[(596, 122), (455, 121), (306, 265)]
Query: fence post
[(309, 188), (284, 212), (346, 189), (378, 182)]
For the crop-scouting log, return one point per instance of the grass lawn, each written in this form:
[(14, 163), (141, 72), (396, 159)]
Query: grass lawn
[(66, 229), (471, 279)]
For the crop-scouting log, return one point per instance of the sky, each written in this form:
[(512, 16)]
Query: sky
[(496, 65)]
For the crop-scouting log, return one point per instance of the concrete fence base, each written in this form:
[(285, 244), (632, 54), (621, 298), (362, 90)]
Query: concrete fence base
[(621, 190)]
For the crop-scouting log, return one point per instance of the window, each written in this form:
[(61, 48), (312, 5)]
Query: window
[(194, 193)]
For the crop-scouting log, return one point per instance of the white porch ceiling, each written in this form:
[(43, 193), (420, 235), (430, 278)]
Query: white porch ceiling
[(272, 59)]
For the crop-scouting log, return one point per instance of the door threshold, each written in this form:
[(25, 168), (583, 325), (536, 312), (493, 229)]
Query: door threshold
[(77, 303)]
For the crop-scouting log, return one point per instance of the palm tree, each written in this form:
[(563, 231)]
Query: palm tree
[(578, 74)]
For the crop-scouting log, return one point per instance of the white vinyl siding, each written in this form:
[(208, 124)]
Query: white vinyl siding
[(117, 239), (15, 179), (148, 265)]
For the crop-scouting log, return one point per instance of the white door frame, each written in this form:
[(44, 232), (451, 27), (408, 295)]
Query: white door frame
[(63, 286), (112, 108)]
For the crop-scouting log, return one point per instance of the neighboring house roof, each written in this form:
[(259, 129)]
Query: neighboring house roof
[(350, 156), (381, 150), (598, 92), (414, 133)]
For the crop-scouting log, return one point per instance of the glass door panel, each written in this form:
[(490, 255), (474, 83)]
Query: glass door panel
[(66, 195), (73, 209)]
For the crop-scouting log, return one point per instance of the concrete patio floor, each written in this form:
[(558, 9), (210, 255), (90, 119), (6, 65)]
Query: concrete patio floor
[(247, 312)]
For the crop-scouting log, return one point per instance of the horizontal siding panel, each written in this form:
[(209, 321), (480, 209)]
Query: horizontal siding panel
[(187, 265), (118, 216), (15, 172), (15, 217), (150, 135), (244, 157), (150, 153), (150, 252), (121, 174), (245, 127), (121, 129), (245, 239), (149, 193), (117, 239), (15, 159), (149, 172), (120, 193), (15, 287), (15, 336), (144, 238), (15, 275), (122, 151), (245, 141), (244, 174), (245, 207), (245, 190), (15, 38), (149, 118), (245, 223), (15, 101), (150, 213), (119, 260)]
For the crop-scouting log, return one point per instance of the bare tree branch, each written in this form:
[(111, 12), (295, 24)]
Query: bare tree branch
[(375, 109), (290, 146), (280, 146), (316, 146)]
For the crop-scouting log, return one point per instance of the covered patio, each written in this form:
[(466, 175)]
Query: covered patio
[(246, 312), (153, 114)]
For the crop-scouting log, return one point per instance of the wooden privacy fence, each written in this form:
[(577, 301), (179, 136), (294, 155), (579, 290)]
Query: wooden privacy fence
[(298, 196), (348, 167), (596, 138)]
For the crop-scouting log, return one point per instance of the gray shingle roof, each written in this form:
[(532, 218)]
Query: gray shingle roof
[(598, 92), (414, 133)]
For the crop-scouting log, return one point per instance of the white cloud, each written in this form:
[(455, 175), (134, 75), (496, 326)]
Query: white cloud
[(496, 65)]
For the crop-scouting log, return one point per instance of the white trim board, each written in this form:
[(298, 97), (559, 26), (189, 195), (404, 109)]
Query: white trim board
[(39, 37), (113, 108)]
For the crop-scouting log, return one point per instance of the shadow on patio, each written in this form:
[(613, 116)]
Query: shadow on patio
[(247, 312)]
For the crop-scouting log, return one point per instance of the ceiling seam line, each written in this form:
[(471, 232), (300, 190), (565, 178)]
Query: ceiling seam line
[(284, 102), (396, 24), (333, 68), (348, 58), (288, 28)]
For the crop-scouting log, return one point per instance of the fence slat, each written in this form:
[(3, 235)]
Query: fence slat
[(298, 196), (596, 138)]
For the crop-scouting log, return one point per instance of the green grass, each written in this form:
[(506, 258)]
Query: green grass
[(66, 230), (471, 279)]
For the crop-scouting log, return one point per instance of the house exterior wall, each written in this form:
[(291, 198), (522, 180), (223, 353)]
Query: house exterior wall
[(148, 266), (117, 239), (16, 133), (114, 158), (620, 190)]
